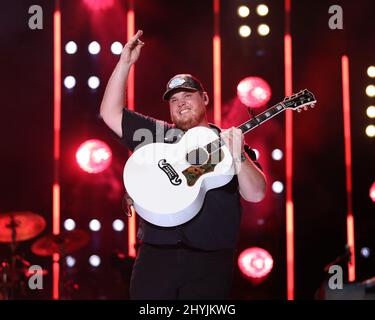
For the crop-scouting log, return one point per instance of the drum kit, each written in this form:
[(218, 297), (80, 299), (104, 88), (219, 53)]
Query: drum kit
[(16, 227)]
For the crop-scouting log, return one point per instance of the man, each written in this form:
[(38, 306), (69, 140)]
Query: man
[(194, 260)]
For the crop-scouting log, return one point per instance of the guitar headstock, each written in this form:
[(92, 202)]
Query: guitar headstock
[(301, 100)]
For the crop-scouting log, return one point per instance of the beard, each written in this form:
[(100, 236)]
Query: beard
[(191, 120)]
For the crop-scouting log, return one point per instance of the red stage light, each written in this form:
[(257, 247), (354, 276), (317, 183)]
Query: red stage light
[(255, 263), (97, 5), (94, 156), (372, 192), (254, 92)]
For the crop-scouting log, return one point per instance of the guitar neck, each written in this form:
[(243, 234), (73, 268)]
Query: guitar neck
[(249, 125), (262, 117)]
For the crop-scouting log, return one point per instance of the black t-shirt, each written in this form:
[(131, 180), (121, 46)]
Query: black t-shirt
[(217, 224)]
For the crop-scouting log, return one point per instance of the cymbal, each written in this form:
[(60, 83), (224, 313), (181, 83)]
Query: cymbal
[(27, 225), (63, 243)]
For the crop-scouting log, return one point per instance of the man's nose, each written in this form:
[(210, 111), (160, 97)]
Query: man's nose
[(181, 103)]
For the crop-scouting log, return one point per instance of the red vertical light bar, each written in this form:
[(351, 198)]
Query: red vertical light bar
[(348, 164), (130, 20), (56, 144), (217, 64), (289, 154), (132, 221)]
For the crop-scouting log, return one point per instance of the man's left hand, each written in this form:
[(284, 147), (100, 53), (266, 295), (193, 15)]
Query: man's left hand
[(234, 140)]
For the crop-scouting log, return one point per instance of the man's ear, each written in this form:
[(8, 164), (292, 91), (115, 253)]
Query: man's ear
[(206, 99)]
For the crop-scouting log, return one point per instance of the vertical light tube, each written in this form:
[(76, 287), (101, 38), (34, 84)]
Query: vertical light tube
[(289, 154), (217, 63), (132, 221), (348, 164), (56, 141)]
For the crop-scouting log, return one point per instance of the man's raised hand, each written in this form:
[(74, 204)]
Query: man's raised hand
[(132, 49)]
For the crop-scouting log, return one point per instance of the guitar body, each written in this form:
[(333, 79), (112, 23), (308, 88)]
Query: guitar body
[(168, 183)]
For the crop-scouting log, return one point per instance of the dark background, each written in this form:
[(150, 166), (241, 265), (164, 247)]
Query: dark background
[(178, 37)]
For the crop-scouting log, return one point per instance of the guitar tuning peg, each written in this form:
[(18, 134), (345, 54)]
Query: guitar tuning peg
[(305, 108), (299, 110), (313, 105)]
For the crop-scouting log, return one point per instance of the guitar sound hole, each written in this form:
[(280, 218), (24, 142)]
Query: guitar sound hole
[(197, 157)]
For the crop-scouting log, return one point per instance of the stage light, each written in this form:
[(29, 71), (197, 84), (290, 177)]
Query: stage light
[(69, 224), (370, 131), (255, 263), (277, 154), (70, 261), (94, 260), (257, 154), (370, 90), (243, 11), (371, 71), (371, 111), (262, 10), (277, 187), (116, 47), (94, 47), (69, 82), (118, 225), (93, 82), (263, 29), (244, 31), (94, 225), (253, 92), (97, 5), (372, 192), (71, 47), (365, 252), (94, 156)]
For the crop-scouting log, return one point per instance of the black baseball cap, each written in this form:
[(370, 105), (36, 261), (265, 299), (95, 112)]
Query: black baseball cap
[(182, 81)]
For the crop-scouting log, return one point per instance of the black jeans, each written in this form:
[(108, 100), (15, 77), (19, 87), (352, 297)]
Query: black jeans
[(181, 273)]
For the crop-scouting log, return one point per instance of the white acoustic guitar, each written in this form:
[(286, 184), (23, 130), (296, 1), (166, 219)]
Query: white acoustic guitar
[(168, 182)]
